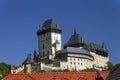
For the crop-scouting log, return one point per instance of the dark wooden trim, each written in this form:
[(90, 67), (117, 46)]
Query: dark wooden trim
[(49, 30)]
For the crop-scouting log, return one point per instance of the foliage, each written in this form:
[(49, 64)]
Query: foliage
[(65, 70), (115, 67), (4, 69), (89, 70), (58, 54), (109, 66), (74, 70), (38, 70)]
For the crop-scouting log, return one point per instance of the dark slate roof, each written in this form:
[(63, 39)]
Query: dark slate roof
[(104, 47), (29, 59), (76, 50), (74, 39), (93, 47), (115, 74), (50, 23), (49, 26)]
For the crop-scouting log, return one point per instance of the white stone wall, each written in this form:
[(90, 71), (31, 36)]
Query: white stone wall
[(48, 67), (99, 61), (63, 65), (73, 63), (78, 64), (54, 37), (46, 41), (19, 69)]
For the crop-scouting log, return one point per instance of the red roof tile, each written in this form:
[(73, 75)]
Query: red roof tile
[(56, 76)]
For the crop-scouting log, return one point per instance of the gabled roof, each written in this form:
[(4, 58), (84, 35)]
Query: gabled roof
[(56, 76)]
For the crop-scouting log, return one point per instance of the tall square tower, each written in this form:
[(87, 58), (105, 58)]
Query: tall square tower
[(49, 39)]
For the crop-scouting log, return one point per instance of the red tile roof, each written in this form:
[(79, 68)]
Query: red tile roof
[(55, 76)]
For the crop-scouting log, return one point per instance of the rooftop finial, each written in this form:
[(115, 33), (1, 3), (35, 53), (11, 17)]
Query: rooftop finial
[(75, 30), (103, 45)]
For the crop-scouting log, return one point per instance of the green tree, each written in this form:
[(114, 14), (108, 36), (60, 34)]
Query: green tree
[(109, 66), (4, 69), (89, 70), (115, 68), (58, 54), (65, 70)]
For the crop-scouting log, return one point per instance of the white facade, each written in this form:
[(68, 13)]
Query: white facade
[(55, 46), (47, 44), (79, 64), (99, 61), (76, 60)]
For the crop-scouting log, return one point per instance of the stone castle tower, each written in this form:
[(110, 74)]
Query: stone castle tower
[(76, 55), (49, 39)]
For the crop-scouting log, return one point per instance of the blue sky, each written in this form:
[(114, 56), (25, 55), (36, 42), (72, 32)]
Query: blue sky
[(95, 20)]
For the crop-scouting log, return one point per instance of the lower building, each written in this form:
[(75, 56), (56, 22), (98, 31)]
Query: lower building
[(57, 76), (76, 59)]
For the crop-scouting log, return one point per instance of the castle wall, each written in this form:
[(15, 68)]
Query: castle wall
[(99, 61), (78, 64)]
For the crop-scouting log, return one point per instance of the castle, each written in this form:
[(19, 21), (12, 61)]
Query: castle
[(75, 55)]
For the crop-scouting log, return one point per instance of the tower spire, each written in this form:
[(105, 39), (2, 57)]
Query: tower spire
[(75, 30)]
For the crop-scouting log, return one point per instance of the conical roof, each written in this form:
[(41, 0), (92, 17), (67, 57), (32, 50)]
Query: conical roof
[(29, 59), (75, 41)]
